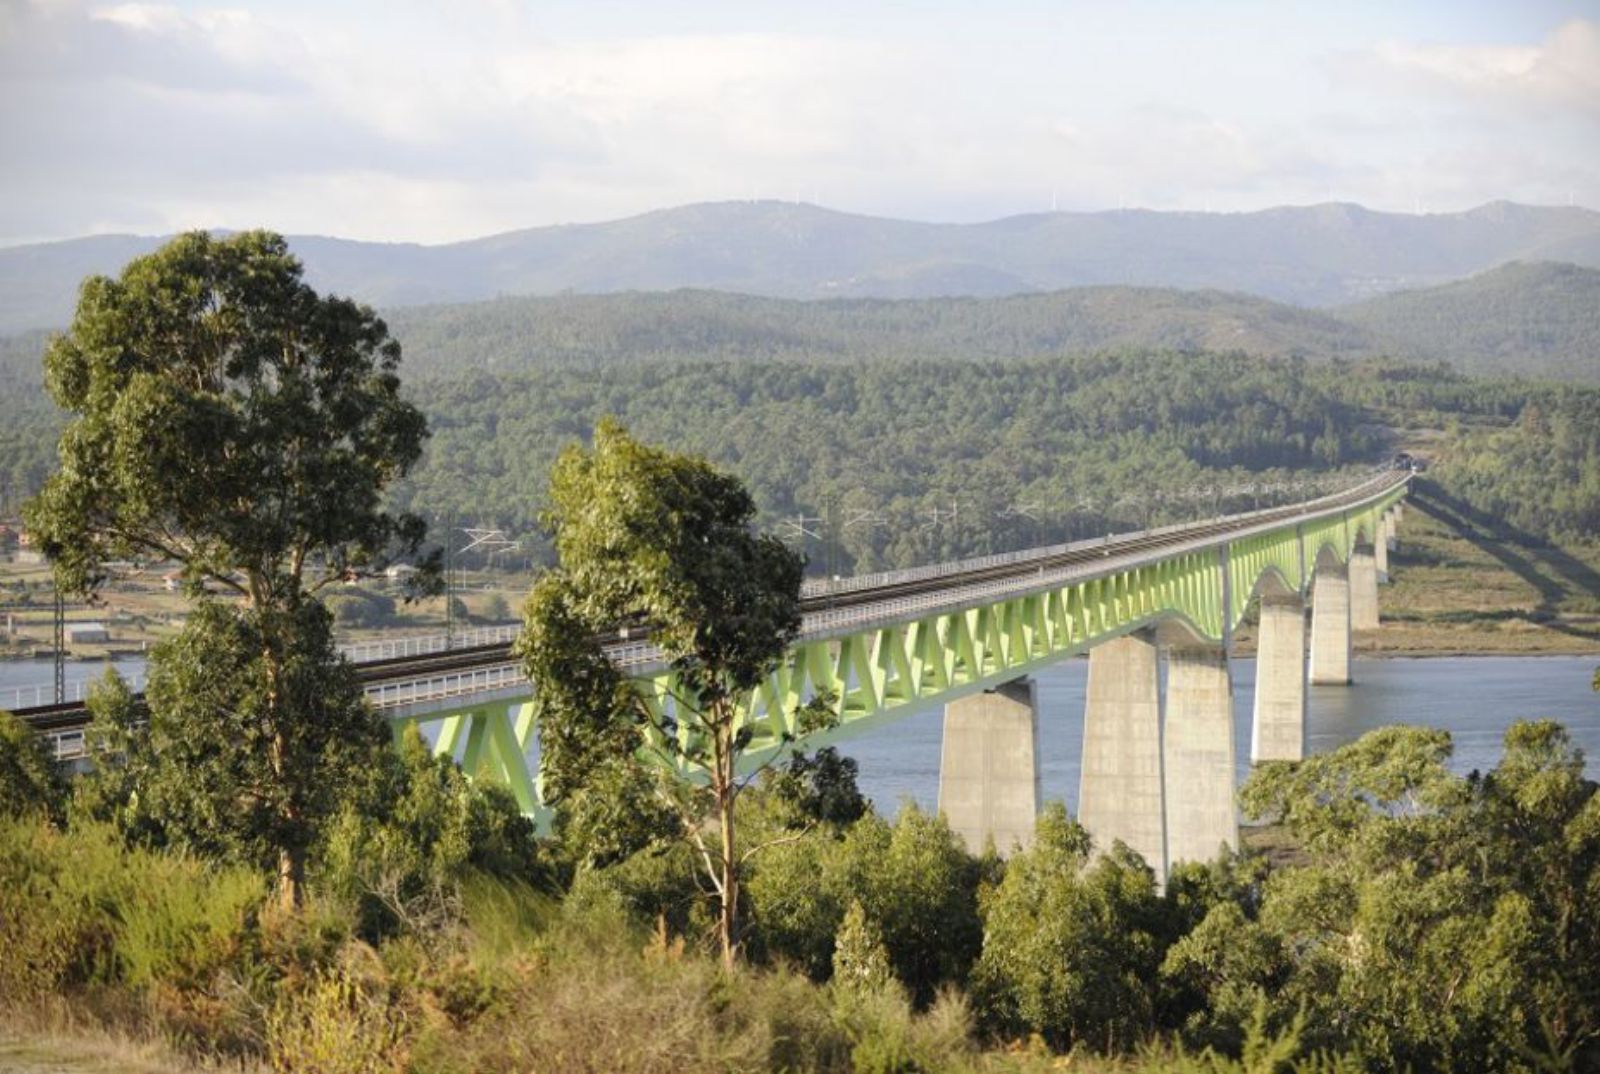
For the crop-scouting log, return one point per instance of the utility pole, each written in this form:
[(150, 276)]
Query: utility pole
[(449, 581), (61, 648)]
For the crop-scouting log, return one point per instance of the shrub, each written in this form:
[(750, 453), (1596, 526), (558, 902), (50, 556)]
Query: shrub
[(1069, 949), (341, 1023), (404, 842), (356, 607), (79, 908), (916, 884), (30, 783)]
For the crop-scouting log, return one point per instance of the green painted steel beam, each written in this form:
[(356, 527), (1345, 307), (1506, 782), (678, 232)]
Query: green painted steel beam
[(886, 671)]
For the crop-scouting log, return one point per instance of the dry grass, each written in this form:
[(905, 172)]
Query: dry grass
[(55, 1037)]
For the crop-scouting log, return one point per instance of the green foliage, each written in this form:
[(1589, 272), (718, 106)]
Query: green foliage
[(1443, 922), (860, 961), (1536, 319), (29, 780), (227, 417), (820, 789), (258, 730), (361, 608), (78, 908), (338, 1023), (1070, 943), (403, 844), (915, 882), (648, 537)]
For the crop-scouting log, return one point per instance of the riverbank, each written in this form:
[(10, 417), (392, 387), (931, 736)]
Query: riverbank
[(1456, 590)]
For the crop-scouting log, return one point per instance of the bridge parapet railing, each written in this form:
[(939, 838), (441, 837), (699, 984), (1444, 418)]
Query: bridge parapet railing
[(823, 587), (35, 694), (362, 652)]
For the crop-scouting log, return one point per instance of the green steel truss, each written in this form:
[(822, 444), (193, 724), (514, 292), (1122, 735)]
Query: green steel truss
[(883, 671)]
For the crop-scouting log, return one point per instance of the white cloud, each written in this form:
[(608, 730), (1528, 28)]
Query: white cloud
[(421, 121), (1561, 72)]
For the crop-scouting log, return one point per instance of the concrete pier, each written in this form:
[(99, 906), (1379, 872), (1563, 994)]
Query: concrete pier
[(989, 766), (1198, 755), (1380, 551), (1278, 725), (1363, 588), (1120, 794), (1330, 626)]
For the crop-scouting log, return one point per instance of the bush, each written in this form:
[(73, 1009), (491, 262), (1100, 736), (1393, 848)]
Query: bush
[(401, 846), (340, 1023), (78, 908), (356, 607), (1070, 950), (30, 782), (915, 882)]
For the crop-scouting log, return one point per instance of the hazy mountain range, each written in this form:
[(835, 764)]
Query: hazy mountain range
[(1315, 256)]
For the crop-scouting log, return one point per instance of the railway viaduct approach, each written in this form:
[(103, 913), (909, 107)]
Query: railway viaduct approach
[(1157, 772)]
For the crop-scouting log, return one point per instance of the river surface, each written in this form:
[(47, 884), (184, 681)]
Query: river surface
[(1475, 698)]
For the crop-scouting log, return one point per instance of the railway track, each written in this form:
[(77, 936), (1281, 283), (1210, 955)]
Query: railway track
[(72, 716)]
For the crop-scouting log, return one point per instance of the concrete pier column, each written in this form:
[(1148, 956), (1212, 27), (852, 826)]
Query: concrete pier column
[(1330, 626), (1363, 588), (1278, 725), (1120, 789), (1380, 551), (1197, 755), (989, 766), (1391, 531)]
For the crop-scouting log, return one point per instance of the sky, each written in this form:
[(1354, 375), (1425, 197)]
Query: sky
[(405, 120)]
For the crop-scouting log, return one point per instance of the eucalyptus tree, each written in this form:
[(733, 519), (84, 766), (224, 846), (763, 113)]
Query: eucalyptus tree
[(226, 417), (660, 542)]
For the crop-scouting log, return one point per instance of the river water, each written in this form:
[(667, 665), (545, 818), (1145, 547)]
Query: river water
[(1475, 698)]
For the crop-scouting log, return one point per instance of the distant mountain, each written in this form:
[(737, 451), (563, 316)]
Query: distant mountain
[(1313, 256), (1538, 319)]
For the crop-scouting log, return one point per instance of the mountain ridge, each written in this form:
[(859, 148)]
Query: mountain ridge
[(1311, 256)]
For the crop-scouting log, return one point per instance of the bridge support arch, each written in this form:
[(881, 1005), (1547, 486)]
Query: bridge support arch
[(989, 766), (1120, 789), (1197, 754), (1278, 722)]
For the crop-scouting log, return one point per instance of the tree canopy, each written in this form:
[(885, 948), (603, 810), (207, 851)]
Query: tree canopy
[(227, 417)]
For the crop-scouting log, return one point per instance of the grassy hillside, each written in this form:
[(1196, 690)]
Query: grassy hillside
[(1540, 318), (1312, 256)]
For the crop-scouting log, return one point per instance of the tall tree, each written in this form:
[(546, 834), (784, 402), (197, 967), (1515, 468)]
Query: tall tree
[(230, 419), (663, 542)]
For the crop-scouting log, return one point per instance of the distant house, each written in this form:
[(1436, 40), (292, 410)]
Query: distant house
[(400, 572), (87, 634)]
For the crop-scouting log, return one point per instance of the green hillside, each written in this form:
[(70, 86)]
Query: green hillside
[(598, 330), (1531, 319)]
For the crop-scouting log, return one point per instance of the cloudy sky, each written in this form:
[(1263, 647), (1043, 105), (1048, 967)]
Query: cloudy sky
[(434, 121)]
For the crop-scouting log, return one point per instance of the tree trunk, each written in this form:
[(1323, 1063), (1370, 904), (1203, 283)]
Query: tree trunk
[(728, 919), (291, 879)]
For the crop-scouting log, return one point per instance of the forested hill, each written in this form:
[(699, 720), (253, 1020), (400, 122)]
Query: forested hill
[(1311, 256), (1541, 318), (588, 331)]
